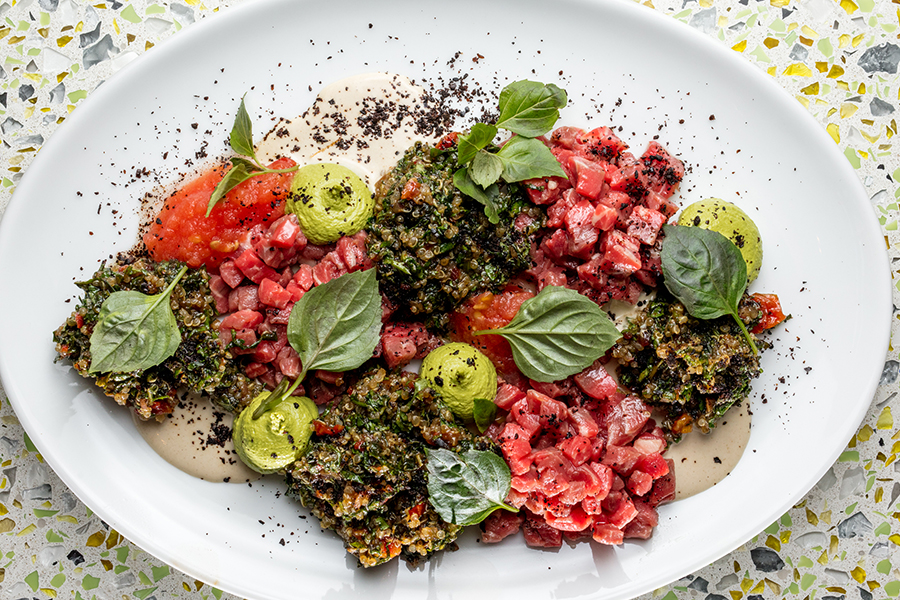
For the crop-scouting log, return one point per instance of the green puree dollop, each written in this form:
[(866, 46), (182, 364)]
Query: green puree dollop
[(729, 220), (459, 373), (275, 439), (330, 201)]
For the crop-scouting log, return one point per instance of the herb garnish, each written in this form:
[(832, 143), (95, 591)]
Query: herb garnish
[(484, 412), (135, 331), (241, 170), (334, 326), (528, 109), (465, 488), (705, 271), (557, 333)]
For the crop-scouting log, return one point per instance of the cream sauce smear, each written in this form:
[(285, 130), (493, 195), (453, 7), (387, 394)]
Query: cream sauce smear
[(346, 125)]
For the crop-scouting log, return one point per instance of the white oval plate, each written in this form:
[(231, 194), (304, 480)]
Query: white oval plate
[(744, 138)]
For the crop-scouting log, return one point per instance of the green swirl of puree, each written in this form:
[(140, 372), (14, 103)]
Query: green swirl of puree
[(278, 436), (330, 201), (460, 373), (729, 220)]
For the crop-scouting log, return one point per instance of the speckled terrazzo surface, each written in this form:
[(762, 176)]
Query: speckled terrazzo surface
[(838, 59)]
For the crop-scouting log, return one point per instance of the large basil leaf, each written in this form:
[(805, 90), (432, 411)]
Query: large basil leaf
[(530, 108), (335, 326), (464, 489), (485, 169), (526, 158), (557, 333), (134, 331), (705, 271)]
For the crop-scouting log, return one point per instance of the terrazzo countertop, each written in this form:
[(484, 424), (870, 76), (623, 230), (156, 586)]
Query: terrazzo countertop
[(839, 59)]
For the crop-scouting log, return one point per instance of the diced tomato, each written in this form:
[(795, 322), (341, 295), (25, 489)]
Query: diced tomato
[(772, 313), (491, 311), (182, 231)]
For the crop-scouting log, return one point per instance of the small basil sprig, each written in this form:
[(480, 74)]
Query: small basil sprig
[(557, 333), (465, 488), (484, 413), (706, 272), (528, 109), (135, 331), (241, 170), (334, 326)]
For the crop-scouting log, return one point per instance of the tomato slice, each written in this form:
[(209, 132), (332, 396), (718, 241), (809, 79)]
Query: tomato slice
[(771, 309)]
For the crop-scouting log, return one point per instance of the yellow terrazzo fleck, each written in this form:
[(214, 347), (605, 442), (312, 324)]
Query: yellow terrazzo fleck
[(858, 574), (811, 90), (746, 585), (843, 41), (871, 138), (785, 536), (823, 558), (798, 70), (811, 517), (885, 419), (835, 71), (740, 46), (95, 539), (858, 39), (774, 543), (834, 132), (849, 6), (848, 109), (772, 585), (736, 595), (809, 31)]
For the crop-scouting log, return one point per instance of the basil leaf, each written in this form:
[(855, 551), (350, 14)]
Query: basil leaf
[(705, 271), (486, 196), (134, 331), (335, 326), (530, 108), (465, 488), (485, 169), (242, 132), (478, 138), (484, 413), (557, 333), (241, 171), (525, 158)]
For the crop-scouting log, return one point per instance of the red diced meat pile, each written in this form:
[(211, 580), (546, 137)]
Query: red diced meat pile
[(257, 286), (604, 218), (586, 462)]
